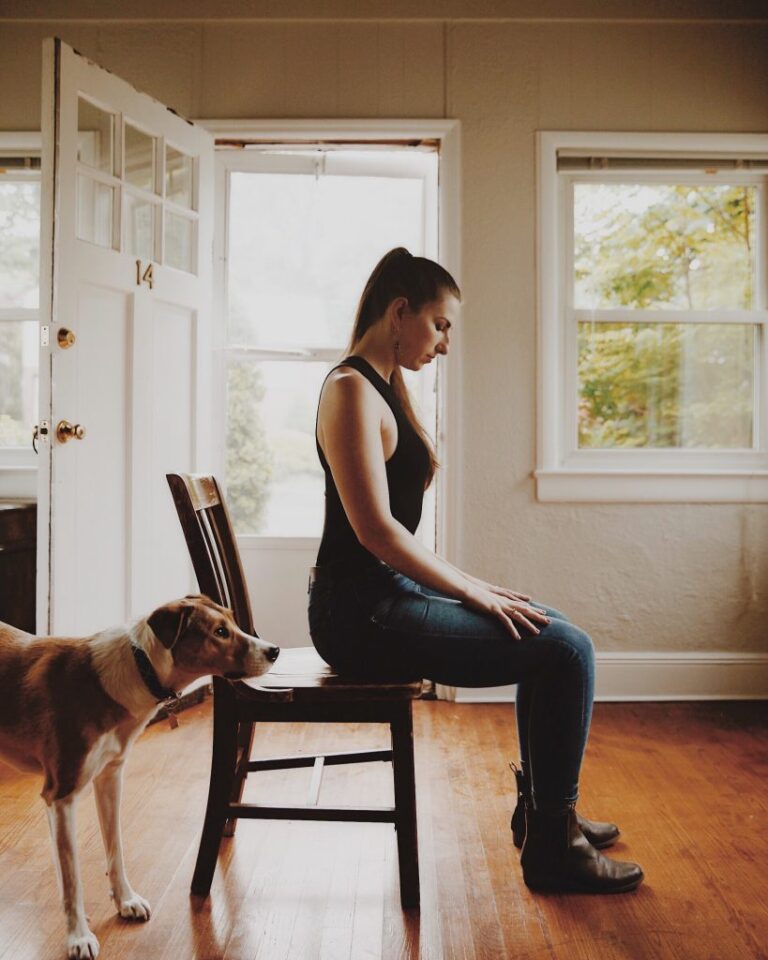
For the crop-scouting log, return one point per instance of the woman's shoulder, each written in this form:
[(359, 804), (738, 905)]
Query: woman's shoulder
[(346, 384)]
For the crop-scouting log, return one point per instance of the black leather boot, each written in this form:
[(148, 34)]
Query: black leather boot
[(600, 835), (557, 857)]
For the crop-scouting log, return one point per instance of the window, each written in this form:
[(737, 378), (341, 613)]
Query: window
[(304, 227), (652, 299), (19, 316), (140, 199)]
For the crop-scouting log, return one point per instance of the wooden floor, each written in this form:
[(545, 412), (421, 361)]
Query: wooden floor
[(685, 781)]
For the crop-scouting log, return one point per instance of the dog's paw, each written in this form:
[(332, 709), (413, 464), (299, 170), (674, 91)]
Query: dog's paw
[(82, 946), (134, 907)]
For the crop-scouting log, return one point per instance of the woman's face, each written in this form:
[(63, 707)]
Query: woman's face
[(426, 333)]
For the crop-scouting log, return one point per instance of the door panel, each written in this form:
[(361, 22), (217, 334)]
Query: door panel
[(171, 386), (99, 377), (120, 173)]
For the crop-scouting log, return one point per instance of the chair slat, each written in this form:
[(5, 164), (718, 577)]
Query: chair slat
[(253, 811), (203, 492), (316, 782)]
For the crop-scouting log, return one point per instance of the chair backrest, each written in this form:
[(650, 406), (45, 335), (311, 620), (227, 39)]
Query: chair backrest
[(211, 542)]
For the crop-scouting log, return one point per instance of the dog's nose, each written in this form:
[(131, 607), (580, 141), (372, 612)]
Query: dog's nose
[(273, 653)]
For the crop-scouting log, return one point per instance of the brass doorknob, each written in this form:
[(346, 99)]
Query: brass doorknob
[(69, 431), (65, 338)]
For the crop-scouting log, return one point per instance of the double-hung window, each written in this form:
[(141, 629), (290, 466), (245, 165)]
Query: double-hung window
[(19, 310), (301, 226), (652, 317)]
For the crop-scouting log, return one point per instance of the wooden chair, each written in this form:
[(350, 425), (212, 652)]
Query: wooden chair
[(299, 688)]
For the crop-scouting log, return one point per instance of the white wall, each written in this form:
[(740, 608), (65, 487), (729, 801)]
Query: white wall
[(656, 577)]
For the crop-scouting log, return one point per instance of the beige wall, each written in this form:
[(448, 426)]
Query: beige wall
[(654, 577)]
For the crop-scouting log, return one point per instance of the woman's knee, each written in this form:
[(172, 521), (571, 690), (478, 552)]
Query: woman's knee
[(570, 643)]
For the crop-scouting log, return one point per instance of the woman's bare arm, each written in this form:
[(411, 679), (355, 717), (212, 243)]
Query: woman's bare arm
[(502, 591)]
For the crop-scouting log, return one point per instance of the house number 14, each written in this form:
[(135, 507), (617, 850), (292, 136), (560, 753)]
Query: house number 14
[(147, 276)]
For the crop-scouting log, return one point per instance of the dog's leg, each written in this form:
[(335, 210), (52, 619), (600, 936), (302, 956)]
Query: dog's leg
[(81, 943), (107, 788)]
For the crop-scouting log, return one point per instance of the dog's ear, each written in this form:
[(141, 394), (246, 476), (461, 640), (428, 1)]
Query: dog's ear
[(169, 622)]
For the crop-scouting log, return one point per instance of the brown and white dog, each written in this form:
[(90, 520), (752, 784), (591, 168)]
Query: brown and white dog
[(72, 708)]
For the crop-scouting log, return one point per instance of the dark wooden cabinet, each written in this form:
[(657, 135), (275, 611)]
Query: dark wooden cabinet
[(18, 551)]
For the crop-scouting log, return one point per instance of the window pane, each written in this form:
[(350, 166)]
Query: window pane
[(274, 479), (94, 211), (139, 158), (301, 248), (178, 177), (19, 243), (664, 246), (179, 242), (18, 383), (666, 385), (139, 225), (95, 136)]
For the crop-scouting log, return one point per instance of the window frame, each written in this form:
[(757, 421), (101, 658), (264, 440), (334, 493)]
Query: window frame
[(448, 495), (564, 472), (18, 465)]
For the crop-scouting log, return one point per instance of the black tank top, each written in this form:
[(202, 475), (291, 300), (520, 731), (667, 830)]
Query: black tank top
[(407, 470)]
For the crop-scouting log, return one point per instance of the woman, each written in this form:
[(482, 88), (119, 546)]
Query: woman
[(382, 605)]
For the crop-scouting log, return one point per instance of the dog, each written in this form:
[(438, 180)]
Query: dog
[(72, 708)]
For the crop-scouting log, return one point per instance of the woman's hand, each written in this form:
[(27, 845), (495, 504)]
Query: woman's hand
[(507, 605), (502, 591)]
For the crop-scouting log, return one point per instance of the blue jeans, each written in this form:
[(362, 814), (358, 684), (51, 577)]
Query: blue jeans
[(374, 622)]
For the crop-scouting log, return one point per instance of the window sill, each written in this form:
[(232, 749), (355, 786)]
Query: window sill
[(18, 482), (651, 486)]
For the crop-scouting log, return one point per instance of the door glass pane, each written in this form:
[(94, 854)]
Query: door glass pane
[(274, 478), (19, 243), (664, 246), (94, 211), (666, 385), (95, 136), (18, 382), (179, 242), (139, 158), (178, 177), (301, 248), (139, 226)]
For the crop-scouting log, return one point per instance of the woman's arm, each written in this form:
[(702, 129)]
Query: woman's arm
[(351, 420), (502, 591)]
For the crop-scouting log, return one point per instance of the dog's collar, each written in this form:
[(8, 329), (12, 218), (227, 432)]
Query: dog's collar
[(150, 678)]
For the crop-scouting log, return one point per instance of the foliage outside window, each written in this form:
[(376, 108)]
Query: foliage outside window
[(673, 249)]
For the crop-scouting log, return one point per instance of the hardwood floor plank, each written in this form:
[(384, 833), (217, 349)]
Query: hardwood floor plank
[(684, 781)]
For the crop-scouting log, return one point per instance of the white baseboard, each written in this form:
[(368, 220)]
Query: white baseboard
[(651, 675)]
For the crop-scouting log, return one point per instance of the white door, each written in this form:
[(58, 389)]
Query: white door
[(125, 286)]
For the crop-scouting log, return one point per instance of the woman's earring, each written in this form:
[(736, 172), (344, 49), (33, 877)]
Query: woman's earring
[(397, 351)]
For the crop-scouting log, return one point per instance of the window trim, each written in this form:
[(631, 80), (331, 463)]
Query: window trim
[(449, 493), (630, 475)]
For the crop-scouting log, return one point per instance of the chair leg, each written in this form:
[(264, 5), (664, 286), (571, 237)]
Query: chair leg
[(405, 806), (223, 765), (244, 747)]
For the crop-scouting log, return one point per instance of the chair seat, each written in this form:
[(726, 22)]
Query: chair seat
[(303, 671)]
